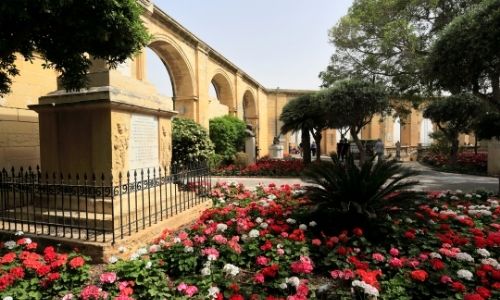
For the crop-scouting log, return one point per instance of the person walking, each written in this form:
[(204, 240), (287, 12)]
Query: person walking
[(313, 149), (398, 150), (379, 150)]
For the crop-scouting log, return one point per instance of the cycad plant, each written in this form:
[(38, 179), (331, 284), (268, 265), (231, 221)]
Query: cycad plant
[(344, 187)]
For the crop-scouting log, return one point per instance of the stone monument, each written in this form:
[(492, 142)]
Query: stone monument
[(276, 150), (250, 144)]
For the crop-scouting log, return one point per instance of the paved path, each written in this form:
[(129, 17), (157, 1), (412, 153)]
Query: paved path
[(429, 180)]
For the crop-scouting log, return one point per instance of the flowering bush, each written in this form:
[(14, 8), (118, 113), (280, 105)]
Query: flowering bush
[(467, 162), (261, 244), (289, 167), (26, 274)]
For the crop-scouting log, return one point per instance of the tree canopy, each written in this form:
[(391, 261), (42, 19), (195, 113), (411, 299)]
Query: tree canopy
[(388, 41), (466, 56), (352, 104), (66, 34), (454, 115), (228, 136)]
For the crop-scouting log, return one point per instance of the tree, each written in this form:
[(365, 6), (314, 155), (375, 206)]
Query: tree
[(190, 142), (305, 113), (466, 56), (228, 136), (352, 104), (454, 115), (67, 34), (387, 41)]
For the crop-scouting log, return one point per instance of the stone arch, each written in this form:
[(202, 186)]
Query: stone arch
[(250, 115), (223, 89), (178, 66)]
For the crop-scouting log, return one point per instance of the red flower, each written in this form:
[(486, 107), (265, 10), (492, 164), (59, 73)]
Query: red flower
[(17, 272), (473, 297), (437, 264), (484, 292), (270, 271), (236, 297), (357, 231), (458, 286), (76, 262), (419, 275), (43, 270), (8, 258)]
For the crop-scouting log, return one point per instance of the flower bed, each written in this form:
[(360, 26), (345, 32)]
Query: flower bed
[(260, 244), (289, 167), (467, 162)]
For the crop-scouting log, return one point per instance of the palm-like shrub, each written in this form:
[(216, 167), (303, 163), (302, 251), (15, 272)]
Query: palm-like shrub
[(347, 188)]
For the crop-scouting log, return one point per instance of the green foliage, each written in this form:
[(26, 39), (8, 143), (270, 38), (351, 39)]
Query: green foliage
[(440, 144), (466, 56), (454, 115), (66, 34), (488, 125), (347, 188), (190, 142), (149, 280), (352, 104), (228, 136), (388, 40)]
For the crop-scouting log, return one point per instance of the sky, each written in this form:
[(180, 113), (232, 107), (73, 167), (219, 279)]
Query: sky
[(280, 43)]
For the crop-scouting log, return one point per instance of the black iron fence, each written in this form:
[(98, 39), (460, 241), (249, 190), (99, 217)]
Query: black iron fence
[(98, 208)]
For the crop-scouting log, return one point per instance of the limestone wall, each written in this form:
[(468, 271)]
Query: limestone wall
[(19, 137)]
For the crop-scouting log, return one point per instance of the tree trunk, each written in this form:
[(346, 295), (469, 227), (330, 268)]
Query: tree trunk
[(317, 140), (454, 152), (361, 148), (306, 146), (495, 87)]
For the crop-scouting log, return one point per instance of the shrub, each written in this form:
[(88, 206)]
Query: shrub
[(228, 135), (241, 159), (347, 188), (190, 142), (265, 167)]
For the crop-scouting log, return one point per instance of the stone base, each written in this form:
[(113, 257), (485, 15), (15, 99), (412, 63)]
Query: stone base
[(276, 151)]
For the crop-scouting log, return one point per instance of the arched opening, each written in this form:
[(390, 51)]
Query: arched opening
[(396, 130), (250, 109), (180, 75), (426, 129), (158, 74), (222, 90)]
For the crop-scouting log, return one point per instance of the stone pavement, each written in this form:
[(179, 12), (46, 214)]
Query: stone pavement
[(429, 180)]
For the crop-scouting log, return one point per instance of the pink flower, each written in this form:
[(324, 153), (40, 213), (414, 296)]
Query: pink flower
[(262, 260), (395, 262), (219, 239), (394, 252), (90, 292), (316, 242), (182, 287), (211, 253), (191, 290), (445, 279), (336, 274), (378, 257), (303, 266), (108, 277), (280, 251), (259, 278)]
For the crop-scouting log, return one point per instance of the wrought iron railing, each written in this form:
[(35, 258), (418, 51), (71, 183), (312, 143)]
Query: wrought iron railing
[(98, 208)]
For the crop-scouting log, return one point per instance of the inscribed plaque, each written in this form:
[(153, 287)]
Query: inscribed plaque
[(143, 145)]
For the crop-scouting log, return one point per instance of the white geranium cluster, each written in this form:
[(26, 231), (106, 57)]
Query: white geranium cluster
[(493, 203), (231, 269), (212, 292), (254, 233), (206, 270), (293, 281), (465, 274), (291, 221), (463, 256), (479, 210), (483, 252), (221, 227), (492, 262), (368, 289), (10, 245)]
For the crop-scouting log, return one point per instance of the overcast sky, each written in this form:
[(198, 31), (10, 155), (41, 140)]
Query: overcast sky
[(280, 43)]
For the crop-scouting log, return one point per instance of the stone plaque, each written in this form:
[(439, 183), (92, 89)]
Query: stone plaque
[(143, 145)]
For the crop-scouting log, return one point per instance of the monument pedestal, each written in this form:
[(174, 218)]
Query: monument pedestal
[(494, 157), (116, 125), (276, 151)]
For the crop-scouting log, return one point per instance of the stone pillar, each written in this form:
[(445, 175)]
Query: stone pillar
[(118, 123), (250, 149), (494, 157)]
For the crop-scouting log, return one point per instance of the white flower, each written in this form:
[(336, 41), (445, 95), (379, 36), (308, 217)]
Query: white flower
[(8, 298), (18, 233), (459, 192), (291, 221), (188, 249), (271, 197), (213, 291), (483, 252), (468, 196), (453, 198), (154, 248), (134, 256), (254, 233), (492, 262), (10, 245), (464, 257), (408, 220), (149, 264), (263, 225), (464, 274), (303, 226), (113, 259), (206, 272), (435, 255), (142, 251), (283, 285), (367, 288), (122, 249), (293, 281), (258, 220), (177, 240), (313, 223), (221, 227), (27, 241), (231, 269)]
